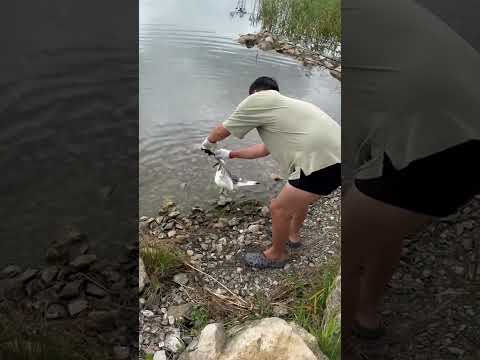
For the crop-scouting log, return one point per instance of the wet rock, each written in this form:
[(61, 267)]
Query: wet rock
[(121, 352), (49, 274), (10, 271), (181, 279), (55, 311), (71, 290), (83, 261), (77, 306), (94, 290)]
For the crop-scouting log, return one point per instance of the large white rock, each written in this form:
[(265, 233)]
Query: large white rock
[(209, 346), (333, 307), (266, 339)]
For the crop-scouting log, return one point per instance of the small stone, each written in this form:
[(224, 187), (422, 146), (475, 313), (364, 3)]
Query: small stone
[(71, 290), (171, 233), (83, 261), (254, 228), (148, 313), (190, 252), (77, 306), (456, 351), (95, 290), (181, 279), (265, 211), (160, 355), (49, 274), (143, 218), (228, 257), (121, 352), (174, 214), (173, 343), (55, 311), (27, 275), (233, 222), (169, 226), (239, 269), (171, 320)]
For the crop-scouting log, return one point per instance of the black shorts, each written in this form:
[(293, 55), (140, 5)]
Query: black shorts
[(437, 185), (320, 182)]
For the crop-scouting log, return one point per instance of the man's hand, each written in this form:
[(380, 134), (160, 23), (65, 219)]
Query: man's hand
[(222, 154), (208, 146)]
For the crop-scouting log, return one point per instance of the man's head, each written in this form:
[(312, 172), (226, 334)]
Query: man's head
[(263, 83)]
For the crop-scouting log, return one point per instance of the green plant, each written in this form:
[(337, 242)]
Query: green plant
[(199, 319), (315, 23)]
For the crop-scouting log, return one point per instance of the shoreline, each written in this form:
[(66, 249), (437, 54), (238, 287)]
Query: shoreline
[(265, 41)]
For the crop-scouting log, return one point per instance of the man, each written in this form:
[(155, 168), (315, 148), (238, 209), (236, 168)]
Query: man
[(411, 141), (306, 144)]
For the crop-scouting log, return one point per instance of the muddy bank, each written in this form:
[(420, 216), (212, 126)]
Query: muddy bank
[(214, 284), (309, 58)]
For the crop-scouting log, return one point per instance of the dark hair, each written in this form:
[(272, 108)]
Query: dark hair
[(263, 83)]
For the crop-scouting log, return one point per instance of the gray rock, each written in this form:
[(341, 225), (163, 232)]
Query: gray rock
[(55, 311), (143, 279), (10, 271), (95, 290), (173, 343), (265, 211), (160, 355), (83, 261), (121, 352), (77, 306), (171, 233), (49, 274), (174, 214), (332, 311), (181, 279), (180, 312), (71, 290), (255, 228), (27, 275), (209, 345)]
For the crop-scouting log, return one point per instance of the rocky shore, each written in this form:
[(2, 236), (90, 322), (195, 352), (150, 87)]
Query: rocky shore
[(75, 296), (214, 286), (267, 42)]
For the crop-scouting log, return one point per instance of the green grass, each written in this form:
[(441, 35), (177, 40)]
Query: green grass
[(312, 22), (161, 262), (311, 298)]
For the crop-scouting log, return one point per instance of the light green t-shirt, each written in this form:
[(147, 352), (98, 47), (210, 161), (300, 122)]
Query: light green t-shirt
[(298, 134)]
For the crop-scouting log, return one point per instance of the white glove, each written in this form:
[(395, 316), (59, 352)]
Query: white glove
[(222, 154), (208, 146)]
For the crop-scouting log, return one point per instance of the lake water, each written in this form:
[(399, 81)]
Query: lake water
[(193, 74)]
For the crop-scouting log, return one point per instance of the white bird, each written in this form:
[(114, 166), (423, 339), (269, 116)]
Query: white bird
[(225, 180)]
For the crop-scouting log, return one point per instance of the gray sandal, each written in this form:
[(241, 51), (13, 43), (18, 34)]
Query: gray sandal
[(294, 245), (258, 260)]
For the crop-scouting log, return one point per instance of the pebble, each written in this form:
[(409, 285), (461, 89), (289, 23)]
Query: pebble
[(77, 306), (181, 279), (173, 343), (83, 261)]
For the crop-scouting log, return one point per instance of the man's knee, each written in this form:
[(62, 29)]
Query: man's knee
[(278, 208)]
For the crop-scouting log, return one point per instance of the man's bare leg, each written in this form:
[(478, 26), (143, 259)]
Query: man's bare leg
[(289, 202), (372, 234), (296, 223)]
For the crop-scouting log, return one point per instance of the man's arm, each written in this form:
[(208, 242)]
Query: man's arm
[(252, 152), (218, 134)]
